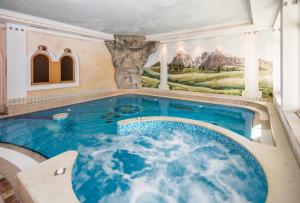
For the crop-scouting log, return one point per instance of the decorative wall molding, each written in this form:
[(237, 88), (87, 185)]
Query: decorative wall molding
[(62, 34), (57, 28), (206, 33), (36, 23)]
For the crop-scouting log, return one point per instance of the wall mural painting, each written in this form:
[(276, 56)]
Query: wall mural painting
[(208, 65)]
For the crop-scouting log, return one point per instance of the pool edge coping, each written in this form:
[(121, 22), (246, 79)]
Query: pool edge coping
[(39, 184), (259, 108)]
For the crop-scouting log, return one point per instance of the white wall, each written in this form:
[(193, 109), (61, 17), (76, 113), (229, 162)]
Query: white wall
[(290, 53), (16, 61)]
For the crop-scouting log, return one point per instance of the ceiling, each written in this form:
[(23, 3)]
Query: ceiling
[(147, 17)]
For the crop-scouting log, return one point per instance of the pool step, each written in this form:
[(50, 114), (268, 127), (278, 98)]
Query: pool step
[(7, 193)]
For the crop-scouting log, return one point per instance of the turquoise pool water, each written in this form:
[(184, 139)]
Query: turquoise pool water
[(116, 167)]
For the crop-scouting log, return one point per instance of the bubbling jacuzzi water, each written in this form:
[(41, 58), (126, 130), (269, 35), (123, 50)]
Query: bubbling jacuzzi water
[(167, 161)]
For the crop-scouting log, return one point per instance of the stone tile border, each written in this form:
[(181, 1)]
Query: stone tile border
[(230, 134), (49, 104), (282, 187), (44, 103), (54, 97), (91, 92)]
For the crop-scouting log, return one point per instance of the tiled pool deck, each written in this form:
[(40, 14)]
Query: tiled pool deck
[(278, 161)]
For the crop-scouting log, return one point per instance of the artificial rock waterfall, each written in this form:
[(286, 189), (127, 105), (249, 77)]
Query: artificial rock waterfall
[(129, 55)]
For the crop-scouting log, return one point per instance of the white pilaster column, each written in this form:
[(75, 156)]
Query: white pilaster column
[(276, 62), (290, 55), (16, 53), (251, 66), (163, 67)]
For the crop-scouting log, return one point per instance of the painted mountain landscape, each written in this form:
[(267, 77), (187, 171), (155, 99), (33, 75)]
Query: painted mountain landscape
[(210, 72)]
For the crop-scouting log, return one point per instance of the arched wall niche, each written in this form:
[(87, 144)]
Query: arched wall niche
[(63, 69), (67, 68), (40, 68)]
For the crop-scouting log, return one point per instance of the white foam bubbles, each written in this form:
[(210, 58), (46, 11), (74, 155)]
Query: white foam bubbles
[(176, 168)]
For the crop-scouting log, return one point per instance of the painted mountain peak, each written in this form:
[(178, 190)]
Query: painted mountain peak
[(182, 59), (214, 61)]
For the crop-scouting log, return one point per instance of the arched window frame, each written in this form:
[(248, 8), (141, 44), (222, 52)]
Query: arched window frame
[(73, 60), (54, 59), (49, 59)]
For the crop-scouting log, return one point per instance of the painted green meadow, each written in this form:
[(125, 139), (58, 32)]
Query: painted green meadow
[(210, 72), (197, 80)]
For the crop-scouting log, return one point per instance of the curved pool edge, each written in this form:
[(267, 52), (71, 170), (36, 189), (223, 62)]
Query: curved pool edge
[(248, 145), (40, 184), (278, 161)]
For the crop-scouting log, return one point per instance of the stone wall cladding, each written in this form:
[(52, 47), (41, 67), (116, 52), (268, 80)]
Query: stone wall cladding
[(129, 55)]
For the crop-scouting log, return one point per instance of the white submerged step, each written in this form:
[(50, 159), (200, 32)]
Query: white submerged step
[(18, 159)]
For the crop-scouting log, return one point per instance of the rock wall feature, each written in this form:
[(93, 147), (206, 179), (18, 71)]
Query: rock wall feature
[(129, 55)]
